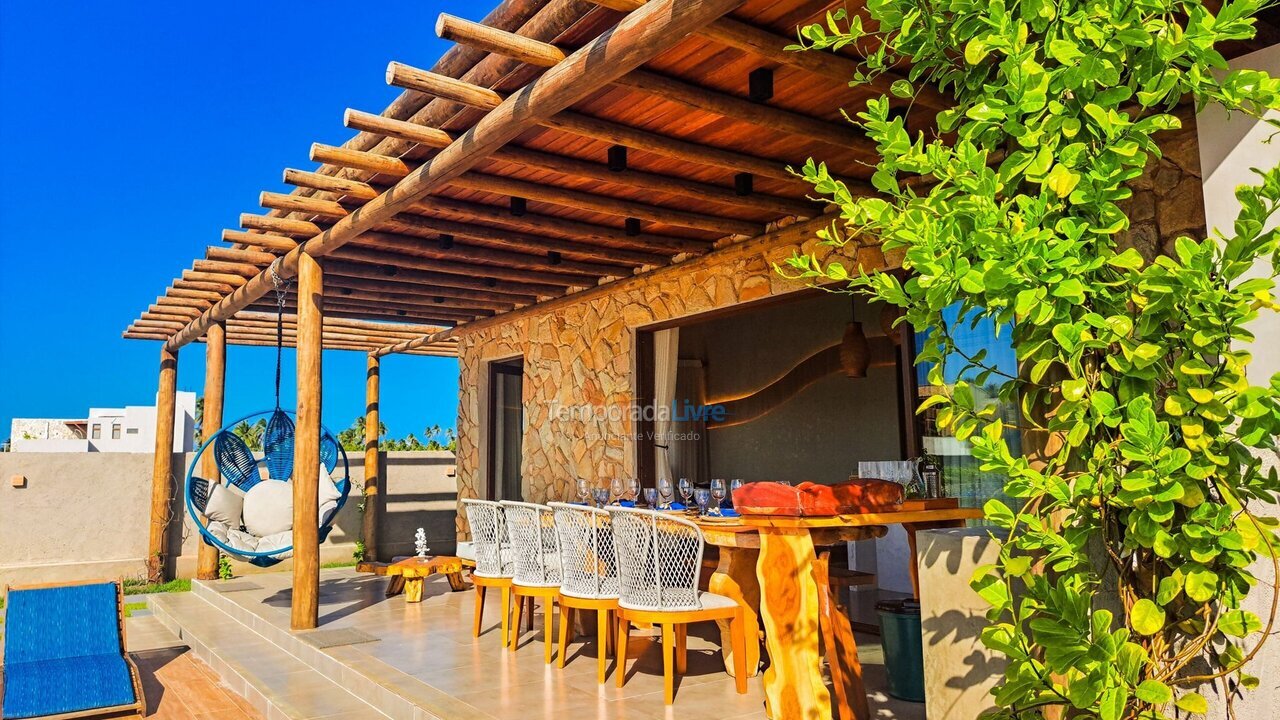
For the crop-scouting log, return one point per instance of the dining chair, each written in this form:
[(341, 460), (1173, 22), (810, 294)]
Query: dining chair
[(537, 565), (491, 551), (659, 556), (589, 575)]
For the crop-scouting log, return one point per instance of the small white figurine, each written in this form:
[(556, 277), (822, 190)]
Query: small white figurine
[(420, 542)]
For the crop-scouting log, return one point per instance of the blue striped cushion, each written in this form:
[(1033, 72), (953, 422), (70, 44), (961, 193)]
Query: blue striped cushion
[(59, 622), (65, 685)]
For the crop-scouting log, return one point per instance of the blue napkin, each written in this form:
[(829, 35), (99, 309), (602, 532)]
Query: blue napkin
[(677, 506), (627, 503), (729, 512)]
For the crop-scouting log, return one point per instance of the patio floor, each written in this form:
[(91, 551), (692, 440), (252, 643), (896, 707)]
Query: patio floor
[(420, 660)]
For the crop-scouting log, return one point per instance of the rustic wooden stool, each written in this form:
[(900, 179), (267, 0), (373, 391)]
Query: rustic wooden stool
[(407, 575)]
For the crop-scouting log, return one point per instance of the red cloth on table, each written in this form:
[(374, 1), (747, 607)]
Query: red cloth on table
[(813, 500)]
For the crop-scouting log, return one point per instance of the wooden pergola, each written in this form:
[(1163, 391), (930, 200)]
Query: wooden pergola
[(561, 147)]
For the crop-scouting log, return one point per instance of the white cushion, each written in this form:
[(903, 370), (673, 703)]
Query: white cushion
[(224, 506), (218, 529), (240, 540), (466, 551), (268, 508), (326, 511), (328, 489), (275, 542)]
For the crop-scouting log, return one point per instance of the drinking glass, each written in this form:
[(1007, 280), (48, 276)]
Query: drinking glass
[(703, 497), (664, 490), (584, 491), (718, 490), (651, 497), (633, 489), (601, 496), (616, 489), (734, 484), (686, 489)]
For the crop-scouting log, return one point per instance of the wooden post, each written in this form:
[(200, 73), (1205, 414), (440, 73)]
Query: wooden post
[(162, 472), (372, 462), (215, 367), (306, 458)]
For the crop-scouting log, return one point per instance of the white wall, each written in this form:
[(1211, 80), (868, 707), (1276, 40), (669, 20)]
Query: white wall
[(139, 418), (1229, 147)]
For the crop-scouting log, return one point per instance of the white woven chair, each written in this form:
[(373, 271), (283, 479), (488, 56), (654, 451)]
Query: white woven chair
[(494, 560), (537, 565), (659, 556), (589, 570)]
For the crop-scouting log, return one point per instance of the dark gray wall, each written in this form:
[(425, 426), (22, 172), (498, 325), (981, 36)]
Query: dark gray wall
[(821, 433)]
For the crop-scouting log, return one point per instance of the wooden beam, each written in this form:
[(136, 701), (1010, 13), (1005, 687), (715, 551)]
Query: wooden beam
[(247, 271), (240, 255), (372, 461), (224, 278), (215, 371), (662, 87), (279, 225), (791, 234), (516, 292), (364, 254), (267, 241), (214, 287), (194, 294), (639, 37), (773, 47), (162, 481), (458, 91), (580, 168), (306, 459)]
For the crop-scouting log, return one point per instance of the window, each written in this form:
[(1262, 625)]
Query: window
[(115, 431), (96, 433), (131, 431), (960, 472)]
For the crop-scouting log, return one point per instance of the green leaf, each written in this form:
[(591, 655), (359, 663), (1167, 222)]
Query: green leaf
[(1154, 692), (1147, 618), (902, 89), (1062, 180), (1193, 702), (1130, 259), (974, 51), (1239, 623), (1201, 584)]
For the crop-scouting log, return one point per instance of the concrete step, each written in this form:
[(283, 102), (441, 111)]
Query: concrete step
[(394, 693), (274, 681)]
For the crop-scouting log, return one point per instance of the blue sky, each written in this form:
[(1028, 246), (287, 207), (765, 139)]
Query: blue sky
[(132, 134)]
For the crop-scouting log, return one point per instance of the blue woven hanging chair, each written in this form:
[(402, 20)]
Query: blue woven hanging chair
[(240, 468), (243, 470)]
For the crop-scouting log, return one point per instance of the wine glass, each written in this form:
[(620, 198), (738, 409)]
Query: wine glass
[(718, 491), (703, 497), (584, 491), (664, 490), (686, 489), (734, 484), (601, 496), (616, 489), (633, 489), (651, 497)]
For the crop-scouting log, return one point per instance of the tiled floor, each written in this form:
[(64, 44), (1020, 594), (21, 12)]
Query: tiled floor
[(426, 650), (176, 685)]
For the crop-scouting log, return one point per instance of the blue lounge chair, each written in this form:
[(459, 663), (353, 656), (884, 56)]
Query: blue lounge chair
[(64, 652)]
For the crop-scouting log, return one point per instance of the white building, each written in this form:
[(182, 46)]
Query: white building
[(128, 429)]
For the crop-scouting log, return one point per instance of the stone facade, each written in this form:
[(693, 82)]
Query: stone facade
[(1167, 199), (580, 354)]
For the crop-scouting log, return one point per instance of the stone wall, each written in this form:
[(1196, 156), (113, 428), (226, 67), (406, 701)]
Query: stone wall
[(581, 352), (1167, 201)]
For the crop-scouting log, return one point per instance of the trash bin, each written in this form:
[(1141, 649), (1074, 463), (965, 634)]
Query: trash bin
[(903, 648)]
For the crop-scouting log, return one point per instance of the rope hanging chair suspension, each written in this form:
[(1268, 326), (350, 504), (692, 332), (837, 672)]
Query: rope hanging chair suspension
[(240, 469)]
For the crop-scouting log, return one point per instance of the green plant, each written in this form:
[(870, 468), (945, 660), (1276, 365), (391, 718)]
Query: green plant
[(358, 553), (131, 608), (139, 586), (224, 568), (1134, 367), (251, 434)]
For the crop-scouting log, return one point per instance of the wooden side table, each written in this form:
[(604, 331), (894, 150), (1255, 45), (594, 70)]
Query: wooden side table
[(408, 575)]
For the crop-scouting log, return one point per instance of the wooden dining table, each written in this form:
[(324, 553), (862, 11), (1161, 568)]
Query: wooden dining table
[(771, 566)]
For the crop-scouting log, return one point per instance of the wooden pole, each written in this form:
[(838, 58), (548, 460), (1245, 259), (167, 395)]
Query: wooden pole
[(162, 470), (215, 368), (306, 458), (372, 461)]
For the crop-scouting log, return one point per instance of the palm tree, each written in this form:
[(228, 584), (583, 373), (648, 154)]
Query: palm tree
[(251, 434)]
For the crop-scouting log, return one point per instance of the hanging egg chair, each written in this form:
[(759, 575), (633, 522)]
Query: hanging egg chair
[(226, 524)]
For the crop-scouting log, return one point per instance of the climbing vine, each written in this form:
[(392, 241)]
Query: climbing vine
[(1118, 590)]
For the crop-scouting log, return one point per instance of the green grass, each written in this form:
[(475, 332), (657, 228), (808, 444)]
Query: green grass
[(130, 607), (338, 564), (136, 586)]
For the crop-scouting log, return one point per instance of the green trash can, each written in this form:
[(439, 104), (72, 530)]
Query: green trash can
[(903, 648)]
